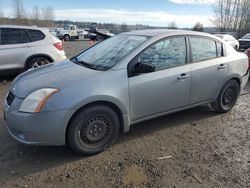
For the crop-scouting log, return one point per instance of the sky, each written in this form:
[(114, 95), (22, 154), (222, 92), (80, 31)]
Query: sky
[(185, 13)]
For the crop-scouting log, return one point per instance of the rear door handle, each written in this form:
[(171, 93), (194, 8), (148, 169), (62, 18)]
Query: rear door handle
[(183, 76), (222, 66)]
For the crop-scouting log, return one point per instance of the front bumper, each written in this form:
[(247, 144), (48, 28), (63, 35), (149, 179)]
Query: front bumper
[(59, 55), (245, 79), (45, 128)]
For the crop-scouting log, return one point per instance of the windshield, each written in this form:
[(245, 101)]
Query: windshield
[(247, 36), (106, 54)]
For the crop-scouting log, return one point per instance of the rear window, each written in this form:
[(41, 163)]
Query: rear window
[(36, 35)]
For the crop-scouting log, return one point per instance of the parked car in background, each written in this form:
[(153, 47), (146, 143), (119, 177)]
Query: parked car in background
[(98, 35), (230, 40), (81, 33), (248, 54), (129, 78), (244, 42), (24, 47), (54, 31), (92, 36)]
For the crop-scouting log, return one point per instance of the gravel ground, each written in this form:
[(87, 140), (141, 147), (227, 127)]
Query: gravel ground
[(73, 48), (202, 149)]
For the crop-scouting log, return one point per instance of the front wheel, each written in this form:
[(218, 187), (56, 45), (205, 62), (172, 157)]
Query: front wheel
[(227, 97), (93, 130)]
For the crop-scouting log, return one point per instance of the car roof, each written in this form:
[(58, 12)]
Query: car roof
[(221, 35), (155, 32), (24, 27), (224, 35)]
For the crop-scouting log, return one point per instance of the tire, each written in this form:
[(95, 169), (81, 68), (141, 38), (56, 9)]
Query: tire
[(37, 62), (93, 130), (98, 38), (66, 38), (227, 97)]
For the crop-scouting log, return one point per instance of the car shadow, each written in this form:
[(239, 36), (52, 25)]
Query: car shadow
[(191, 116), (32, 159), (9, 76)]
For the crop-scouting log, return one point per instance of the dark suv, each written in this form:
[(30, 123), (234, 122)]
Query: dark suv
[(244, 42)]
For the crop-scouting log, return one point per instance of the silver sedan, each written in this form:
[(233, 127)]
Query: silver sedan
[(132, 77)]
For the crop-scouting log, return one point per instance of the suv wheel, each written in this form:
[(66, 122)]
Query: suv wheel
[(93, 130), (227, 97), (37, 62)]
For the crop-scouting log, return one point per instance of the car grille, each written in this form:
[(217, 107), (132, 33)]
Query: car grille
[(10, 98), (244, 43)]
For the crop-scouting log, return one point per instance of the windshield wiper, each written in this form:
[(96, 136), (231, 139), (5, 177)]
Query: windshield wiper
[(91, 66)]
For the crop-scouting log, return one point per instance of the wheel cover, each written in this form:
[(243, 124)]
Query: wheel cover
[(95, 131), (39, 63), (66, 38), (228, 96)]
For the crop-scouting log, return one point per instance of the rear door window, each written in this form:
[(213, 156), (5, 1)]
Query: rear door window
[(26, 37), (36, 35), (203, 49)]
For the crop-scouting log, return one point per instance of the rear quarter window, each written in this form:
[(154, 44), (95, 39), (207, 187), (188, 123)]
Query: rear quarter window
[(36, 35), (220, 51)]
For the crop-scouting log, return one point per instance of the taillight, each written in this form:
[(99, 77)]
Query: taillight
[(58, 45)]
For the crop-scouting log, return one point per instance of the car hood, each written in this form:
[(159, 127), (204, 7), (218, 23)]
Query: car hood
[(246, 40), (55, 75)]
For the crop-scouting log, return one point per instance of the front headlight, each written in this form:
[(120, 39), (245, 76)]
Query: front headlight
[(34, 101)]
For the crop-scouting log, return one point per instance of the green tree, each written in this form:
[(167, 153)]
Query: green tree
[(198, 27), (172, 25)]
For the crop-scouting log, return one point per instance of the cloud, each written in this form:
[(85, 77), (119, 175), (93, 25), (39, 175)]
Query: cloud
[(193, 1), (154, 18)]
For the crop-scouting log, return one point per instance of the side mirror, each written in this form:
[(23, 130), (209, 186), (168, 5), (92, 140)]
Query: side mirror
[(143, 67)]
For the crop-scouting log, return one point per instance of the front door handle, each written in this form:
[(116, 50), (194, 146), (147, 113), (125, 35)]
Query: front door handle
[(222, 66), (183, 76)]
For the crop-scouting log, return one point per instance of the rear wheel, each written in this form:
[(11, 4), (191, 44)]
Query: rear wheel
[(37, 62), (227, 97), (66, 37), (93, 130)]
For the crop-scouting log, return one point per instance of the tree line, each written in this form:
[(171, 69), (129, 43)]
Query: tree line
[(229, 16), (45, 17), (232, 16), (37, 16)]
